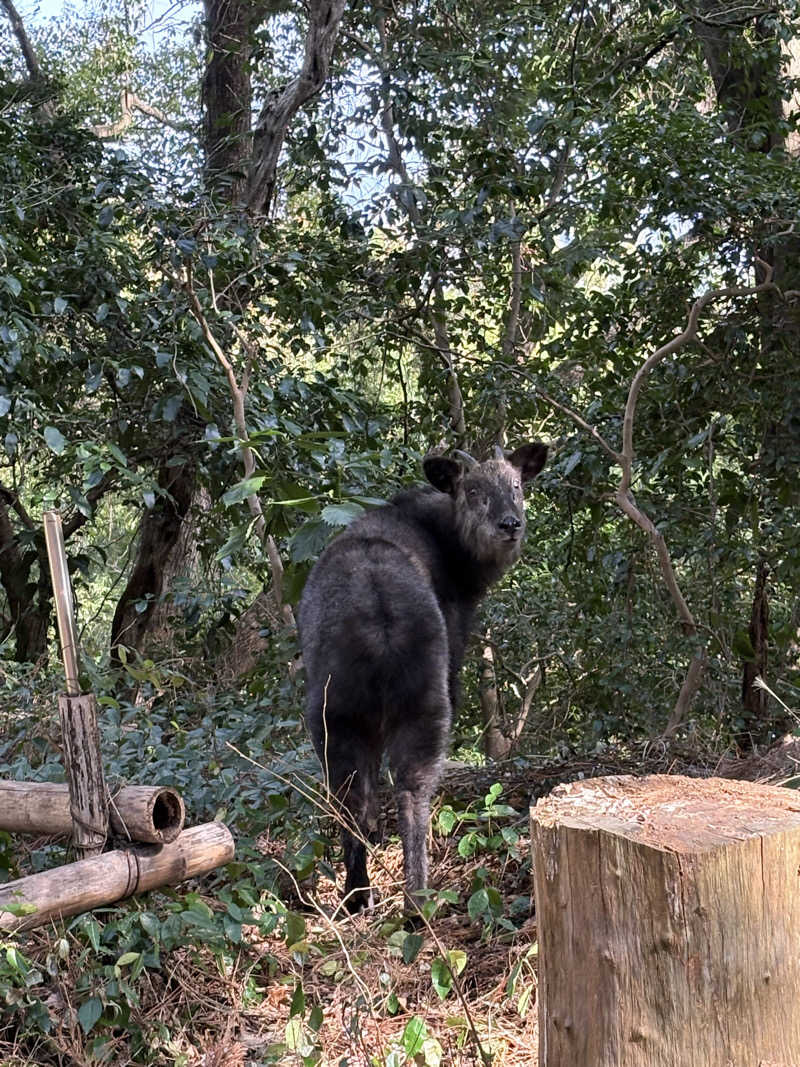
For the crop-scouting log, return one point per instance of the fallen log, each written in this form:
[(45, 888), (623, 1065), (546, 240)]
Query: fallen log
[(668, 913), (151, 814), (111, 877)]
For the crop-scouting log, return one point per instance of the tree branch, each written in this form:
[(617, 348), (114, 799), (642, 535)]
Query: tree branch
[(238, 393), (283, 104), (679, 341), (28, 52), (130, 102), (515, 302), (624, 459)]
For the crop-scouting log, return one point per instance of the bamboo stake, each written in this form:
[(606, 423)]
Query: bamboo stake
[(84, 766), (152, 814), (62, 594), (112, 876)]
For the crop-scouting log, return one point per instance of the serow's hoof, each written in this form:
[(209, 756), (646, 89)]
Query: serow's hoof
[(360, 900)]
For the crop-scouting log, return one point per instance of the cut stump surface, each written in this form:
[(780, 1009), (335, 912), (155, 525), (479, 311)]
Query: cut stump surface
[(669, 923)]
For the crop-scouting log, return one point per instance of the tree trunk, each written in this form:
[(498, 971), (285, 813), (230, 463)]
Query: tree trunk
[(668, 914), (495, 743), (748, 63), (283, 104), (28, 604), (159, 536), (183, 568), (754, 700), (227, 96)]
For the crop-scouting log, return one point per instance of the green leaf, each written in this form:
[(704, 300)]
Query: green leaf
[(118, 454), (341, 514), (150, 924), (298, 1004), (89, 1012), (243, 489), (92, 930), (743, 646), (54, 439), (478, 904), (441, 978), (295, 927), (468, 845), (442, 971), (172, 406), (414, 1034), (411, 946), (309, 540), (447, 820)]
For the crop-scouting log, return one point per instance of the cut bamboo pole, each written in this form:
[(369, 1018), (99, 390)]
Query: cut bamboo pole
[(152, 814), (62, 595), (84, 768), (668, 913), (106, 879), (78, 713)]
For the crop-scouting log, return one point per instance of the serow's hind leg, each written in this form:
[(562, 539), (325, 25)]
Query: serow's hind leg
[(354, 789), (417, 763)]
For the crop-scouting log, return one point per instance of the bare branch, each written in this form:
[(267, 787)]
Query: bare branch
[(129, 103), (623, 496), (31, 61), (238, 393), (587, 427), (282, 105), (628, 506), (11, 498), (677, 342), (691, 684), (515, 302)]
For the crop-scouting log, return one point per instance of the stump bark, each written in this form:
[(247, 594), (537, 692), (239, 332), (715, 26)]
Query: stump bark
[(668, 911)]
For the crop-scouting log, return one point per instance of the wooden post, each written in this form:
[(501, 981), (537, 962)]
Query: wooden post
[(153, 814), (112, 876), (669, 923), (78, 712)]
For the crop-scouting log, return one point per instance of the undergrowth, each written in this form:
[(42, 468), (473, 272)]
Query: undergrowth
[(257, 963)]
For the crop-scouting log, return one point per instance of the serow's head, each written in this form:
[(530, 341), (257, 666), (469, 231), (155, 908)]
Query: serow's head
[(488, 498)]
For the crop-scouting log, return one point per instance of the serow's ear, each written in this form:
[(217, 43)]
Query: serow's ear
[(443, 473), (529, 459)]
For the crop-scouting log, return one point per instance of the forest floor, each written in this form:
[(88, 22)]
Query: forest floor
[(324, 988)]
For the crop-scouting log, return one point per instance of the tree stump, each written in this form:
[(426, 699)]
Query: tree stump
[(669, 923)]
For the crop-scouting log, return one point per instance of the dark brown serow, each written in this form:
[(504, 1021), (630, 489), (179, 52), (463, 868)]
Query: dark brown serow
[(384, 621)]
